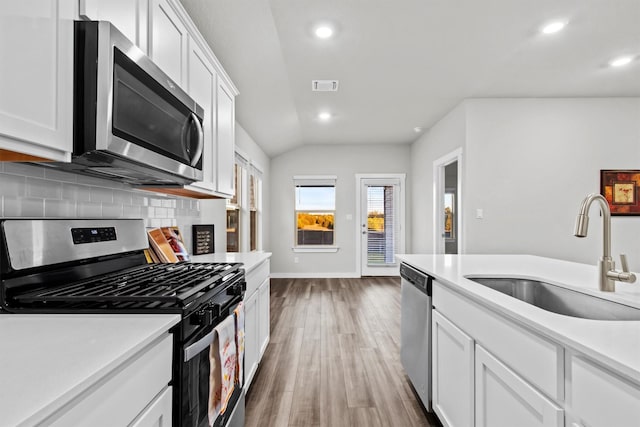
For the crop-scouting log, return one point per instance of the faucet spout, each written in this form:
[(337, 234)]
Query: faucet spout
[(582, 222)]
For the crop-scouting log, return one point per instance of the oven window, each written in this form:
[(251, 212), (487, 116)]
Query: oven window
[(149, 115), (195, 383)]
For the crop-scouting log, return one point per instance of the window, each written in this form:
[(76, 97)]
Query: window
[(315, 210), (244, 210), (255, 207), (234, 208)]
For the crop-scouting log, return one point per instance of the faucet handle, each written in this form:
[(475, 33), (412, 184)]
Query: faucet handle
[(623, 263)]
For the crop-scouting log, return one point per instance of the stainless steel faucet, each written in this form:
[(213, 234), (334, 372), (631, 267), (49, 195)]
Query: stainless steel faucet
[(606, 266)]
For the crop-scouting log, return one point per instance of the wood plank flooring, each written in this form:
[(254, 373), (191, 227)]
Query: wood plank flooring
[(334, 358)]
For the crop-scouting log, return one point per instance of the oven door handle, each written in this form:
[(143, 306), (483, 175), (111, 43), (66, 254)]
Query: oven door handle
[(197, 347)]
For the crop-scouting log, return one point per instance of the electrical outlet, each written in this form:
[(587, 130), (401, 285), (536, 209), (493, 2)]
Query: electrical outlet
[(296, 259), (479, 214)]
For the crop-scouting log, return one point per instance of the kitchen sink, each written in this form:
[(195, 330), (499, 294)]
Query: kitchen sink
[(559, 300)]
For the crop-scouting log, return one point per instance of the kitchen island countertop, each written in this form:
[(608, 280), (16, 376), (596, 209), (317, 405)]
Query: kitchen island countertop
[(614, 344), (47, 360)]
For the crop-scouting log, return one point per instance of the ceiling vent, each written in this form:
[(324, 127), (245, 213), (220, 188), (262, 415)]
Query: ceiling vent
[(324, 85)]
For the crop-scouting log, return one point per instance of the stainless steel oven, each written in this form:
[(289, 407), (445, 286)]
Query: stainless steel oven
[(131, 121), (99, 266)]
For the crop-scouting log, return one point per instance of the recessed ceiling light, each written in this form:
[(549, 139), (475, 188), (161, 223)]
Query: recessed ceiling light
[(324, 116), (323, 31), (553, 27), (621, 61), (418, 129)]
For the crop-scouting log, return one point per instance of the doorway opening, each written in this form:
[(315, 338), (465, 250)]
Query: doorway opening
[(380, 227), (447, 228)]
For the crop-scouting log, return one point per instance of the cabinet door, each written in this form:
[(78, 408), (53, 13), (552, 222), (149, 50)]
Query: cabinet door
[(599, 398), (453, 390), (264, 299), (503, 399), (129, 16), (158, 413), (36, 78), (168, 40), (251, 349), (226, 138), (201, 85)]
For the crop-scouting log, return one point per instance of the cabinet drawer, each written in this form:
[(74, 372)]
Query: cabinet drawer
[(599, 398), (537, 360), (256, 277), (118, 398)]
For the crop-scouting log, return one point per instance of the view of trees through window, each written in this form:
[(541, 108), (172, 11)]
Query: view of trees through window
[(315, 214)]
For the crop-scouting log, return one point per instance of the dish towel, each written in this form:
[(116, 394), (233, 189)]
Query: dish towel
[(238, 313), (223, 360)]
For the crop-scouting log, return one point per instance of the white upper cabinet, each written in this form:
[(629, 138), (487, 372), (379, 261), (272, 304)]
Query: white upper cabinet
[(129, 16), (168, 40), (36, 79), (226, 138), (201, 85)]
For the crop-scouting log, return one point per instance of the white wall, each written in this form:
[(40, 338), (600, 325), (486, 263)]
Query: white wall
[(214, 211), (344, 161), (530, 162), (443, 138)]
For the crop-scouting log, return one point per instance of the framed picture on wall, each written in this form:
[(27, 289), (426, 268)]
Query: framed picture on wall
[(621, 188)]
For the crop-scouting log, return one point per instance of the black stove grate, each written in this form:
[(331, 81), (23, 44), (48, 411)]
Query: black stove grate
[(159, 286)]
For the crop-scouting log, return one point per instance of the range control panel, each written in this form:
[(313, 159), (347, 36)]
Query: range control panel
[(93, 234)]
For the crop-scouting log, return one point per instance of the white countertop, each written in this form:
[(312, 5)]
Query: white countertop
[(614, 344), (249, 259), (47, 360)]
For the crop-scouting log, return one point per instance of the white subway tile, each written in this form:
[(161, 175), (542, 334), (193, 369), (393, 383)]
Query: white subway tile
[(22, 207), (169, 203), (75, 192), (12, 185), (60, 208), (111, 210), (89, 210), (155, 222), (138, 199), (155, 202), (161, 213), (132, 212), (99, 194), (58, 175), (122, 196), (171, 213), (24, 169), (43, 189)]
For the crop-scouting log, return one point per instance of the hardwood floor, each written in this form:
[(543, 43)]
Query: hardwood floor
[(334, 357)]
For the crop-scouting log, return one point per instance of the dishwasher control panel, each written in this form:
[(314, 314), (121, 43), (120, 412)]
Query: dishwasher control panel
[(416, 277)]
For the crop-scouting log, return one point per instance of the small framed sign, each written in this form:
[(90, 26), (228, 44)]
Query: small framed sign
[(202, 235)]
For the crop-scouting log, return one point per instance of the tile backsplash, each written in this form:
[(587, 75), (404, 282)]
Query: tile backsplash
[(28, 190)]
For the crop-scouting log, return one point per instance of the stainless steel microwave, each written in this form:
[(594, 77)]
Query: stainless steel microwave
[(131, 122)]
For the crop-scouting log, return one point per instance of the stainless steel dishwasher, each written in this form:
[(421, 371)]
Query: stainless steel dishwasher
[(415, 330)]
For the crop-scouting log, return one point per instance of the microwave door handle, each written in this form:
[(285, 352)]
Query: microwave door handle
[(198, 153), (198, 346)]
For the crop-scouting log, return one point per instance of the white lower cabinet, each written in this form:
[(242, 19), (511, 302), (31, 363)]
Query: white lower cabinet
[(256, 318), (158, 413), (452, 398), (597, 397), (136, 392), (503, 399), (264, 299), (251, 350)]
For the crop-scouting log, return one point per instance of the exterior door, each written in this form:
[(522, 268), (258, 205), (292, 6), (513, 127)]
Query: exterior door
[(381, 225)]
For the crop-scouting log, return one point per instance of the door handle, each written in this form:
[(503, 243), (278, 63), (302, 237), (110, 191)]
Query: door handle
[(200, 148)]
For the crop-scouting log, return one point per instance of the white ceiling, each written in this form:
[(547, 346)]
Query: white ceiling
[(406, 63)]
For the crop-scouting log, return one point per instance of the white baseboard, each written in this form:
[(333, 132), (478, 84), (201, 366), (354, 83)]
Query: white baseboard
[(352, 275)]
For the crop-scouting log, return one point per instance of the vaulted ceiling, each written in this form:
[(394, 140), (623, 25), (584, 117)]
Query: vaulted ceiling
[(403, 64)]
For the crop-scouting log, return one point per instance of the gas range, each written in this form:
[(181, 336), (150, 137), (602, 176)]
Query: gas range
[(99, 266)]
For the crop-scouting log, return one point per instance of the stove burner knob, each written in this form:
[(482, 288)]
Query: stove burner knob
[(202, 317), (237, 289)]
